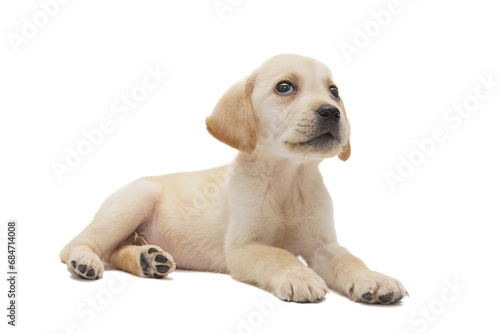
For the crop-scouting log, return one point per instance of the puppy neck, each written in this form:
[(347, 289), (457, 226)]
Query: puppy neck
[(275, 167)]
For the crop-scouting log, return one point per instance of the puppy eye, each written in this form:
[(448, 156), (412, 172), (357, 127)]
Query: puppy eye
[(284, 88), (335, 92)]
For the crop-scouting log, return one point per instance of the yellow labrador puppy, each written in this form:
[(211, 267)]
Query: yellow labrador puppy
[(255, 216)]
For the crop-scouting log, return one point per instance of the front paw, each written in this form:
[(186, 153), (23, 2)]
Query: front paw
[(85, 264), (299, 285), (375, 288)]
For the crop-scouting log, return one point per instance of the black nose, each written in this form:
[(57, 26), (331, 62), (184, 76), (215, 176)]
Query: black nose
[(327, 111)]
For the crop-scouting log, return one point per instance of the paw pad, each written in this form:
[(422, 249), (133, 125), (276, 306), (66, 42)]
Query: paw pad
[(385, 298), (376, 288), (155, 263), (367, 296), (83, 270)]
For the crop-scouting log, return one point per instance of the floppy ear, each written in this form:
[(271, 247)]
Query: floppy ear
[(346, 149), (232, 121)]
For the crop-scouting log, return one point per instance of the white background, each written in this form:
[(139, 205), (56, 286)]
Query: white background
[(434, 230)]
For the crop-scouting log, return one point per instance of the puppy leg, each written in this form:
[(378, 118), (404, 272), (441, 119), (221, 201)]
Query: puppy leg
[(123, 211), (277, 271), (143, 261), (348, 275)]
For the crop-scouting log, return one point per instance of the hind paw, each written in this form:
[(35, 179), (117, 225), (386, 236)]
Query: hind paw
[(155, 263)]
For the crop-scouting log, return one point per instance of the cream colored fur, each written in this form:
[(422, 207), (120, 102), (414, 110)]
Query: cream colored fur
[(251, 218)]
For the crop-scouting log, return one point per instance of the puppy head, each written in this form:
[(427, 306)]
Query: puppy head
[(288, 107)]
